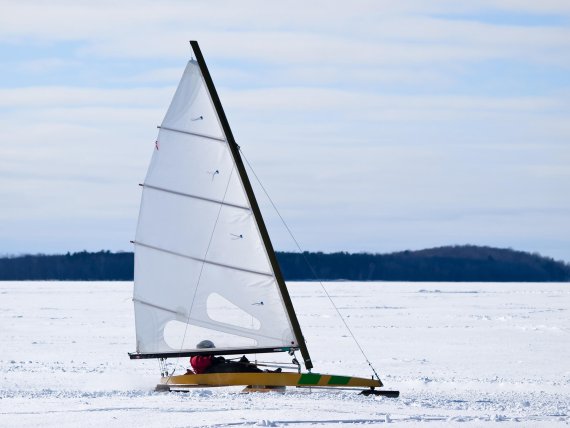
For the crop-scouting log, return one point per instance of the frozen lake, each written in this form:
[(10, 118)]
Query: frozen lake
[(469, 353)]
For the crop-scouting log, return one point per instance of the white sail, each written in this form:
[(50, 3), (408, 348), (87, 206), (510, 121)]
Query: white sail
[(202, 270)]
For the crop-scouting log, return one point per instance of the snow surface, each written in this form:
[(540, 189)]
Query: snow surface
[(468, 354)]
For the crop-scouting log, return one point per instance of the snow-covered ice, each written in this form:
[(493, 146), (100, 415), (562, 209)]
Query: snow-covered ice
[(469, 354)]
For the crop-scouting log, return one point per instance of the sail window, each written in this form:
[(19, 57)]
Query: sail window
[(222, 310)]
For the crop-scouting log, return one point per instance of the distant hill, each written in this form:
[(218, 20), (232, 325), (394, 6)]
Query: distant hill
[(452, 263)]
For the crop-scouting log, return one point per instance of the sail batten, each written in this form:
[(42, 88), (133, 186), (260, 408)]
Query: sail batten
[(209, 137), (210, 262), (174, 192)]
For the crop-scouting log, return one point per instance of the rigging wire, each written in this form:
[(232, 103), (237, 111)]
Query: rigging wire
[(309, 265), (202, 266)]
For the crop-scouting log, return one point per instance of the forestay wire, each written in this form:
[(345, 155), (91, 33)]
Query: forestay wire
[(309, 265)]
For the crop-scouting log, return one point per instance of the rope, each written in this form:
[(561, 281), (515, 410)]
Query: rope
[(310, 266)]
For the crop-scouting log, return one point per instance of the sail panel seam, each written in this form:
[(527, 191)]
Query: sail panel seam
[(174, 253), (201, 198), (195, 134)]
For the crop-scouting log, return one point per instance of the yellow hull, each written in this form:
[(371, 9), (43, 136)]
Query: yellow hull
[(273, 379)]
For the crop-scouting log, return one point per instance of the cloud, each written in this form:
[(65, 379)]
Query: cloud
[(160, 75), (31, 96), (45, 65), (365, 32), (375, 125)]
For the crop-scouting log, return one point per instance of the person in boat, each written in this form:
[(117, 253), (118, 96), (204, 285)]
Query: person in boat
[(202, 364)]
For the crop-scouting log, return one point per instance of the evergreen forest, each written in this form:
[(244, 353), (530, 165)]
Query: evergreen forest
[(452, 263)]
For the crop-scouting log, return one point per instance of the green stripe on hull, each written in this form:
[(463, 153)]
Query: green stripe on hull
[(339, 380), (309, 379)]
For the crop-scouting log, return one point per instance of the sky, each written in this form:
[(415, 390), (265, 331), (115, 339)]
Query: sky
[(375, 126)]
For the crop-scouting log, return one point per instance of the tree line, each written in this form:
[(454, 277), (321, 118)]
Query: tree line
[(451, 263)]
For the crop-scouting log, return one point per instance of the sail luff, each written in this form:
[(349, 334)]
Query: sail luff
[(234, 149)]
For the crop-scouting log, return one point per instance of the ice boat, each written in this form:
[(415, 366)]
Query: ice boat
[(205, 267)]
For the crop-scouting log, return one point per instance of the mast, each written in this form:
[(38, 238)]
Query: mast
[(234, 149)]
